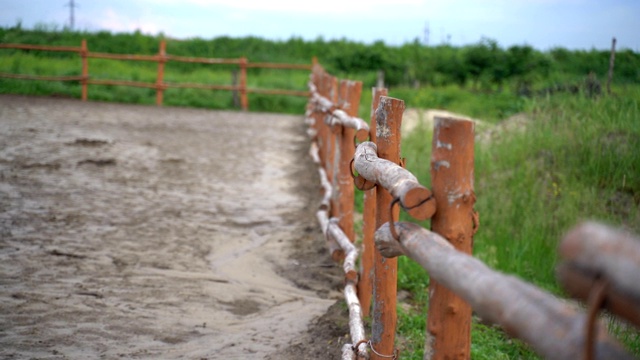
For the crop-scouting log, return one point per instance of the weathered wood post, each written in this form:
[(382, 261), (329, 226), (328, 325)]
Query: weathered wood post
[(349, 100), (244, 100), (388, 122), (365, 285), (85, 69), (162, 58), (449, 317), (331, 93)]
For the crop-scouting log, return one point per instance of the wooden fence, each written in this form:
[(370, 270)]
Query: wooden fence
[(160, 85), (600, 265)]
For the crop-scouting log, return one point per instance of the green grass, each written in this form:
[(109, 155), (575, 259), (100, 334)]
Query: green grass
[(143, 71)]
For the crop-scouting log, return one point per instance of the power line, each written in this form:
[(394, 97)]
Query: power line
[(72, 5)]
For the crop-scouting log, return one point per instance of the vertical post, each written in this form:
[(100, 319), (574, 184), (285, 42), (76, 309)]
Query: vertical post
[(350, 92), (449, 317), (85, 69), (162, 58), (317, 79), (234, 82), (331, 83), (388, 121), (244, 100), (365, 285), (612, 60)]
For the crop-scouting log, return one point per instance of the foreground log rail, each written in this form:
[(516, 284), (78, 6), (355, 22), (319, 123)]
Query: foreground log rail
[(160, 85), (600, 265)]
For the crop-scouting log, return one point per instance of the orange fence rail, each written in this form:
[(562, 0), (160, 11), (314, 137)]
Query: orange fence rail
[(600, 265), (160, 85)]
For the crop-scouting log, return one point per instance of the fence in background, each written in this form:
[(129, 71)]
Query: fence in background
[(239, 86), (601, 265)]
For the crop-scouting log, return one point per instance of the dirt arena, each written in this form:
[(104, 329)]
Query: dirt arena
[(140, 232)]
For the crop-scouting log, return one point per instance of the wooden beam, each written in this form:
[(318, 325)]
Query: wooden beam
[(452, 156), (554, 328)]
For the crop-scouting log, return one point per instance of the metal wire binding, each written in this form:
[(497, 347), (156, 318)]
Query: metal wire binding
[(392, 226), (597, 297), (394, 356)]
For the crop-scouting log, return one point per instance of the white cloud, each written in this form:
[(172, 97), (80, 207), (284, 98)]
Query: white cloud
[(118, 22), (354, 8)]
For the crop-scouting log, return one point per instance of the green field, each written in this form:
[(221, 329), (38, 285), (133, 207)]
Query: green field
[(559, 152)]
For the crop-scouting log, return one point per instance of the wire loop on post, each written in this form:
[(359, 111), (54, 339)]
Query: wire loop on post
[(394, 356)]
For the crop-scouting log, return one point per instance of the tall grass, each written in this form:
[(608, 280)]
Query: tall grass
[(572, 158)]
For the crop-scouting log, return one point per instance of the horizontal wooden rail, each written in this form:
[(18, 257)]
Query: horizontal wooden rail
[(41, 47), (279, 92), (39, 77), (200, 60), (416, 199), (160, 85), (593, 253), (339, 116), (523, 310), (153, 58), (264, 65)]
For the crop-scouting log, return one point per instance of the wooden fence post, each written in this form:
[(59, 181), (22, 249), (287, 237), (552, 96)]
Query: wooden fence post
[(449, 317), (349, 100), (365, 285), (162, 58), (388, 122), (332, 143), (244, 100), (85, 69)]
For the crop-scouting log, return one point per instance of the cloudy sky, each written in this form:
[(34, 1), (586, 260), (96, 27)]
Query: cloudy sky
[(544, 24)]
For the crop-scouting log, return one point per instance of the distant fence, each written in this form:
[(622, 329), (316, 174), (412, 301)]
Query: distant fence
[(160, 85), (600, 265)]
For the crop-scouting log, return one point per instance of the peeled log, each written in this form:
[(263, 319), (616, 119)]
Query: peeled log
[(592, 252), (416, 199), (553, 328), (351, 253), (356, 326), (339, 117)]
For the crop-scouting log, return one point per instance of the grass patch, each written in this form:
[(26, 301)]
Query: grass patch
[(573, 158)]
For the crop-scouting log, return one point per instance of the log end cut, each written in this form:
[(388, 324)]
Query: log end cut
[(419, 203)]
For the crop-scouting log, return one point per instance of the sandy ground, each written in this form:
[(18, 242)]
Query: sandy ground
[(160, 233)]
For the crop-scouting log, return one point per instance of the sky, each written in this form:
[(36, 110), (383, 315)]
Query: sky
[(543, 24)]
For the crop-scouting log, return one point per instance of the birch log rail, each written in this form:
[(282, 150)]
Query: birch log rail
[(593, 253), (523, 310), (416, 199), (337, 115)]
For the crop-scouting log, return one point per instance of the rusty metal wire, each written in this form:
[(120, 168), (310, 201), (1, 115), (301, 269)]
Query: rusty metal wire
[(596, 300), (394, 356), (392, 226)]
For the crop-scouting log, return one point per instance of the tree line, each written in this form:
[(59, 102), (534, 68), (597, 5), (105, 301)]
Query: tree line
[(484, 65)]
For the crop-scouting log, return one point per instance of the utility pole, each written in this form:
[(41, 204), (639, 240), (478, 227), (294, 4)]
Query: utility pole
[(72, 5), (426, 34), (612, 60)]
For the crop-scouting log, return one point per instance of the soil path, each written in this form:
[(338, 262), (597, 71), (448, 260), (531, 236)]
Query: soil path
[(141, 232)]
